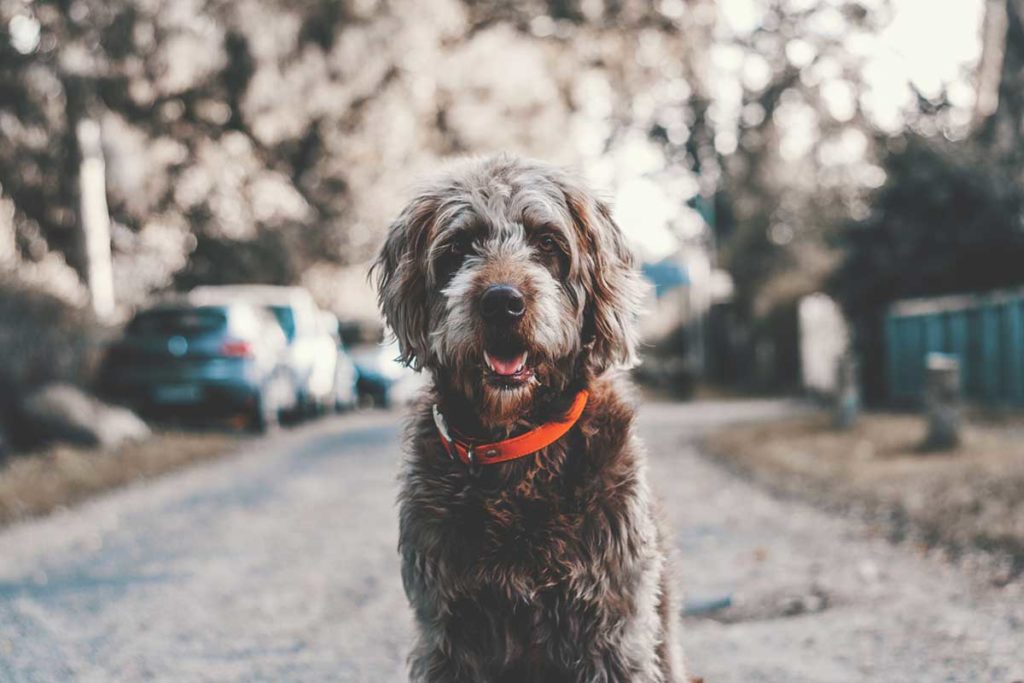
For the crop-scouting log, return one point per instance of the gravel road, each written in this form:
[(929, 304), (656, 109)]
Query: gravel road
[(279, 564)]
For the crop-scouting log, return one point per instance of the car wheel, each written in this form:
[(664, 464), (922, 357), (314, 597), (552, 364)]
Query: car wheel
[(343, 404), (315, 408), (265, 415), (304, 406)]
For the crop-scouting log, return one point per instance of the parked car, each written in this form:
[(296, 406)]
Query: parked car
[(214, 359), (312, 352), (344, 393), (383, 381)]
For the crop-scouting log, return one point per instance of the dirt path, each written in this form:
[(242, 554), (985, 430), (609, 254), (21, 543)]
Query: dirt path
[(816, 597), (280, 564)]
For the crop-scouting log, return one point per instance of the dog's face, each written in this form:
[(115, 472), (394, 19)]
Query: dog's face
[(506, 278)]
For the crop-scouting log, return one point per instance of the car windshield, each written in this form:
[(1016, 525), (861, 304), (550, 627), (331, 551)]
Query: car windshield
[(187, 322), (286, 319)]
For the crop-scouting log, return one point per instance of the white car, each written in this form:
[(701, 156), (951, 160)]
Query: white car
[(345, 393), (312, 351)]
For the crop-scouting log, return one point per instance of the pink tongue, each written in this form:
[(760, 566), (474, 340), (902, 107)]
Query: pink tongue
[(505, 366)]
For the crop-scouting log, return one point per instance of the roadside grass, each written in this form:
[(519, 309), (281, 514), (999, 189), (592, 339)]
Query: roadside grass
[(36, 483), (964, 501)]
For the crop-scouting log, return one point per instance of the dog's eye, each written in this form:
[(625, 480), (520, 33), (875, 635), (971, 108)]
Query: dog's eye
[(548, 244), (461, 245)]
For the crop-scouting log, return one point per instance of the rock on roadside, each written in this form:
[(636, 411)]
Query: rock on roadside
[(61, 412)]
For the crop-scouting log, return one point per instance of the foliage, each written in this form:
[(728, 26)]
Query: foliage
[(795, 164), (273, 140), (947, 220), (793, 170), (47, 341)]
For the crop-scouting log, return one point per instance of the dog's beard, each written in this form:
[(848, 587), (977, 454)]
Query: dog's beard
[(501, 405), (498, 403), (497, 382)]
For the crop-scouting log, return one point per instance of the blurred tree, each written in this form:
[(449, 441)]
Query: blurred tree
[(253, 140), (947, 220), (52, 342), (793, 145), (950, 216), (1000, 107)]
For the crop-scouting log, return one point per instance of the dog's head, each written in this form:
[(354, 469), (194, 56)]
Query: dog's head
[(505, 278)]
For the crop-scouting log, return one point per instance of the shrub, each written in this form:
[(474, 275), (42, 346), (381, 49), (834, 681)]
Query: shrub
[(42, 340)]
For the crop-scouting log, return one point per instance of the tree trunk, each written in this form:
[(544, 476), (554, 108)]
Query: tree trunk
[(95, 219), (990, 69)]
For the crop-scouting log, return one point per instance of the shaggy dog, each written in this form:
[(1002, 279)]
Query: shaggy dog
[(512, 285)]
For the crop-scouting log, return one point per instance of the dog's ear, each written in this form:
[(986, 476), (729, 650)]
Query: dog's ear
[(610, 282), (400, 275)]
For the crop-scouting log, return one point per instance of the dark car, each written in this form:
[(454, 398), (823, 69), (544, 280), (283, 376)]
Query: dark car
[(213, 360), (312, 352), (382, 380)]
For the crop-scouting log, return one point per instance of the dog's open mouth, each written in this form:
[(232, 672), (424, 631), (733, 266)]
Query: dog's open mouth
[(508, 369)]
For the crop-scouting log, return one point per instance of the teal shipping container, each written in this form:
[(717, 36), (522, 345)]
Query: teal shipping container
[(985, 332)]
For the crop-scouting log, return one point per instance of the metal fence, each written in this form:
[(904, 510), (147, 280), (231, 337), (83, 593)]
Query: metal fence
[(984, 332)]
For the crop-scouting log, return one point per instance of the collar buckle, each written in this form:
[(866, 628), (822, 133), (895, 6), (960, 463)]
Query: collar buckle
[(442, 429), (473, 463)]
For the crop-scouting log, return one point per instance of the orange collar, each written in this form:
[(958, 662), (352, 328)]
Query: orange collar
[(510, 449)]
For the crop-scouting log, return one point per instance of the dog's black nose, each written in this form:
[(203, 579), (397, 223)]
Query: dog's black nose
[(502, 303)]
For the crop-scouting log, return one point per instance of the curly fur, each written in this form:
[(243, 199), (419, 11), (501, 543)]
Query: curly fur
[(552, 567)]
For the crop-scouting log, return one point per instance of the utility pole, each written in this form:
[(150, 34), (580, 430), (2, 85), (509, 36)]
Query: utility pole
[(95, 218)]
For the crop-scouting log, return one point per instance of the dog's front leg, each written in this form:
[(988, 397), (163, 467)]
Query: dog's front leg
[(616, 672), (608, 669), (434, 659), (431, 665), (610, 663)]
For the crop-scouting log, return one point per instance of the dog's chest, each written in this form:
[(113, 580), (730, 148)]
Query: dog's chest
[(552, 527), (534, 586), (532, 537), (545, 550)]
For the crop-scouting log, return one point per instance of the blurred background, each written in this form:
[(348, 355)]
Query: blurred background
[(756, 153), (826, 197)]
